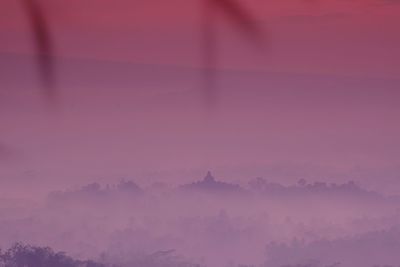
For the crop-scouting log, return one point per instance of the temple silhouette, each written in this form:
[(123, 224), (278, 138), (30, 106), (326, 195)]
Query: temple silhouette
[(210, 184)]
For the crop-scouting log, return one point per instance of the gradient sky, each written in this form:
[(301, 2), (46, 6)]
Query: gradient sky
[(320, 102)]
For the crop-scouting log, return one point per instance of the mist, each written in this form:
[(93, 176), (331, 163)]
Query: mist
[(210, 222)]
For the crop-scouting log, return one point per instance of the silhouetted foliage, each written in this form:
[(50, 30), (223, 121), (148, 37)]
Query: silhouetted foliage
[(20, 255), (44, 44), (95, 190), (263, 186)]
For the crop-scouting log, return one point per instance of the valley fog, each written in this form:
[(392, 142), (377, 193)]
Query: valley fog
[(213, 223)]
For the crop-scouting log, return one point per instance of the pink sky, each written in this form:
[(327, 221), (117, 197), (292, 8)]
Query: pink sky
[(321, 101), (346, 37)]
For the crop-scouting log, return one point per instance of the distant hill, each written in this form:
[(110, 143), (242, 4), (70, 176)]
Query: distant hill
[(209, 184), (303, 188), (95, 190)]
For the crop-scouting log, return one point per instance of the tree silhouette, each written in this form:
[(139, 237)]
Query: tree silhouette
[(20, 255)]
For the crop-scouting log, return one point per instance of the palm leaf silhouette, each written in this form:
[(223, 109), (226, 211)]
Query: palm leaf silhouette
[(242, 21), (240, 17), (44, 45), (231, 9)]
